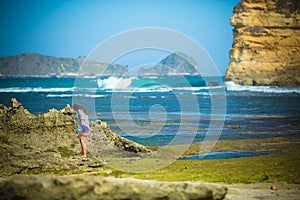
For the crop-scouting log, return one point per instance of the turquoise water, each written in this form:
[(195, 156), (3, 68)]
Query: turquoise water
[(227, 155), (152, 111)]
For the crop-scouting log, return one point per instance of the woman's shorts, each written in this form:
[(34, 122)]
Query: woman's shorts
[(83, 130)]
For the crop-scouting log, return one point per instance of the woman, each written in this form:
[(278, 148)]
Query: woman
[(83, 127)]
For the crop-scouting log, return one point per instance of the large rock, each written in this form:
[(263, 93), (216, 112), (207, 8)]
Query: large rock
[(266, 46), (102, 136), (36, 144), (95, 187), (48, 143)]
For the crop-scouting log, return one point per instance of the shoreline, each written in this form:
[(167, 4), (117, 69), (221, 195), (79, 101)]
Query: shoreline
[(47, 146), (262, 188)]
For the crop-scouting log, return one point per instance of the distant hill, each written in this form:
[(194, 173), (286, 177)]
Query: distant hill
[(36, 65), (175, 64)]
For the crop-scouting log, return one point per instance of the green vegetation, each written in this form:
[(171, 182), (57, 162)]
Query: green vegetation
[(65, 152), (267, 168), (274, 167), (241, 170)]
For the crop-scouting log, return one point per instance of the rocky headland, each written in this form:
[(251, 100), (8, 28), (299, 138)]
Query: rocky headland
[(47, 145), (37, 65), (266, 45), (176, 64)]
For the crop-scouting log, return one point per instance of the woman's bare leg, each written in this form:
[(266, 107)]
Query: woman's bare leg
[(83, 146)]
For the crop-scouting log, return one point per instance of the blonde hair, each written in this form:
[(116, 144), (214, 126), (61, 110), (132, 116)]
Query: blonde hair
[(79, 107)]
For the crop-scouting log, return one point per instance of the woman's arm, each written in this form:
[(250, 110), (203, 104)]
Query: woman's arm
[(82, 122), (80, 116)]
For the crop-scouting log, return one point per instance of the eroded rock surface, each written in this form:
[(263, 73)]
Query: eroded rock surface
[(266, 46), (49, 142), (95, 187)]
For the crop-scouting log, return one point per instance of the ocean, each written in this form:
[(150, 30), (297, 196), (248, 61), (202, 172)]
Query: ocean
[(154, 110)]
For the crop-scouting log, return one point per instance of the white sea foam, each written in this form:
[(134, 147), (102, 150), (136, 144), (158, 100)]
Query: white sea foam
[(39, 89), (231, 86), (114, 83), (59, 95), (199, 88), (77, 95), (15, 89), (201, 93), (139, 90), (154, 89), (34, 89)]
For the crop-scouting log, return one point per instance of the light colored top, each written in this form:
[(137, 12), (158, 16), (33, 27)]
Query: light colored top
[(84, 117)]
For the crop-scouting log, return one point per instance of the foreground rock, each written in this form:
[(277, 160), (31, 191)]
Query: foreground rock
[(48, 143), (266, 46), (95, 187)]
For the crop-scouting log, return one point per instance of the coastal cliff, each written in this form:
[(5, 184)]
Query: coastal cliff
[(266, 45)]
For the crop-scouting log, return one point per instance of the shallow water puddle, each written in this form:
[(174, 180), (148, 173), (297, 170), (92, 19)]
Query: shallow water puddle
[(227, 155)]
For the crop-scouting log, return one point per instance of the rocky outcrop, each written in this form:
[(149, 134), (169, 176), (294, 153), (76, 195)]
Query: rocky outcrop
[(111, 142), (36, 65), (48, 143), (266, 45), (36, 144), (176, 64), (95, 187)]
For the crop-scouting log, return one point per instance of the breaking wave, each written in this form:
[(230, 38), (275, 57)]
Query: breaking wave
[(77, 95), (149, 84), (231, 86), (196, 85), (34, 89), (114, 83)]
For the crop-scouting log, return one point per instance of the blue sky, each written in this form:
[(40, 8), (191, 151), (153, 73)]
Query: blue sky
[(72, 28)]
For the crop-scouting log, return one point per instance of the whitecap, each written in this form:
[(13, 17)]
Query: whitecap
[(114, 83), (201, 93), (77, 95), (199, 88), (59, 95), (34, 89), (231, 86), (39, 89), (15, 89)]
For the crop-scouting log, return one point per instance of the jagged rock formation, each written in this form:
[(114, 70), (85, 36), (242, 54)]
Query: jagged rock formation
[(95, 187), (176, 64), (36, 65), (49, 142), (111, 142), (266, 46)]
